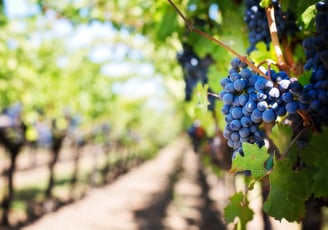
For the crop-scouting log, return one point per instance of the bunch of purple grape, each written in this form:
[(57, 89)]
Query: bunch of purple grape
[(257, 23), (195, 71), (250, 99), (314, 98)]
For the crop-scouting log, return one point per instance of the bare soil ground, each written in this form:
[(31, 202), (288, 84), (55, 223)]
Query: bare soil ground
[(170, 192)]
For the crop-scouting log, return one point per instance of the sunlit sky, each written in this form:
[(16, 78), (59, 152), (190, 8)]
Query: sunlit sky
[(112, 55)]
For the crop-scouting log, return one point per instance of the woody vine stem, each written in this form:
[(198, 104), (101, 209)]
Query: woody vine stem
[(191, 28), (274, 38)]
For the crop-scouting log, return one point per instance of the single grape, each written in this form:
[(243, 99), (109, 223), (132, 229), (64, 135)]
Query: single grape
[(269, 116), (256, 116), (236, 112), (235, 76), (228, 98), (250, 106), (235, 102), (245, 73), (315, 105), (235, 125), (261, 95), (234, 63), (287, 97), (230, 88), (240, 85), (292, 107), (246, 121), (225, 81), (235, 136), (262, 105), (228, 118), (225, 109), (281, 111), (243, 98), (244, 132), (274, 93)]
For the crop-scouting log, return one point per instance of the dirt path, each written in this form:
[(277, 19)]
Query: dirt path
[(113, 206), (170, 192)]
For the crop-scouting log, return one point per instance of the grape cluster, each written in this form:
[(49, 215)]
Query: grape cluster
[(257, 23), (195, 71), (314, 97), (250, 99), (316, 48)]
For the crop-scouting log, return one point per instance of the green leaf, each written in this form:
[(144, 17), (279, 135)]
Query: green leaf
[(320, 179), (288, 192), (203, 46), (304, 79), (193, 2), (261, 53), (238, 207), (269, 163), (265, 3), (308, 15), (163, 28), (315, 157), (253, 160), (286, 4), (281, 136), (201, 98), (302, 5)]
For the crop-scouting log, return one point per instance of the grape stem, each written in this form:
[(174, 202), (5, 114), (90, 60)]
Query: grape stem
[(274, 38), (214, 95), (289, 56), (268, 62), (191, 28)]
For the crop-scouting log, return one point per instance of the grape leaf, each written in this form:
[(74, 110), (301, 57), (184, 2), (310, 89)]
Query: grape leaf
[(308, 15), (320, 179), (253, 160), (286, 4), (269, 162), (303, 5), (265, 3), (201, 98), (288, 192), (238, 207), (315, 157), (304, 79), (191, 2), (281, 136), (164, 29), (262, 53)]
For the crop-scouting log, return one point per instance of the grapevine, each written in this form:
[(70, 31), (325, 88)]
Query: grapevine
[(191, 28), (259, 105), (257, 22), (314, 98)]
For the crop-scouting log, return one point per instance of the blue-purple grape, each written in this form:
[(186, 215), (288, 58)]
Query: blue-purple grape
[(269, 116), (256, 20)]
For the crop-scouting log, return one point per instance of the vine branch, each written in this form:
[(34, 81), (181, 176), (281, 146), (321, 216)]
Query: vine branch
[(289, 56), (275, 39), (214, 95), (191, 28)]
